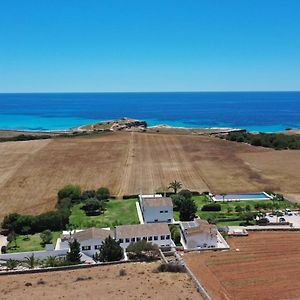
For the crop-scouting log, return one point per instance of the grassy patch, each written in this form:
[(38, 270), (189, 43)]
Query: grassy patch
[(228, 209), (117, 212), (32, 242)]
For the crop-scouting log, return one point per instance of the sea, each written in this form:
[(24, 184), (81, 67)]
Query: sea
[(253, 111)]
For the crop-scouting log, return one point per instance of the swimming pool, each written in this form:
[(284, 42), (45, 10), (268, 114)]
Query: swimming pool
[(242, 197)]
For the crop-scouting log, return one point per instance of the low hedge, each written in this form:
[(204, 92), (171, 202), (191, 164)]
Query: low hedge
[(211, 207)]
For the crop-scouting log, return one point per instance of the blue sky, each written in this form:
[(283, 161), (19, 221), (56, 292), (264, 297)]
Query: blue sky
[(155, 45)]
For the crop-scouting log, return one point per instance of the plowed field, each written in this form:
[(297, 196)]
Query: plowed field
[(129, 163), (262, 266)]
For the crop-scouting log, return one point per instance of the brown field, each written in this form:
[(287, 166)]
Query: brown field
[(129, 162), (266, 267), (101, 282)]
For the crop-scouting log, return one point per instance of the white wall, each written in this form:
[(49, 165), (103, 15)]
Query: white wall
[(160, 242), (92, 243), (199, 240), (43, 254), (151, 214)]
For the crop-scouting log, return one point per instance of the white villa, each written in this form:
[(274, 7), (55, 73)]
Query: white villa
[(90, 239), (199, 234), (156, 208), (154, 233)]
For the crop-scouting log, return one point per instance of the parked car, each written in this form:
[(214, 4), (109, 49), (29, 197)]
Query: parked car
[(282, 220), (263, 221)]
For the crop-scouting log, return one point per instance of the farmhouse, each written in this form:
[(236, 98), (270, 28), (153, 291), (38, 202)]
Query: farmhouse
[(199, 234), (90, 239), (156, 208), (153, 233)]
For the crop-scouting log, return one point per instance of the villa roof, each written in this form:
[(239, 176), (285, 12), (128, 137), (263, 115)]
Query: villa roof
[(93, 233), (140, 230), (155, 202), (198, 226)]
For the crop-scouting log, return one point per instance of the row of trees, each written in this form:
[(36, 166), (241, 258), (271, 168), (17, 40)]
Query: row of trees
[(269, 140), (59, 219), (28, 224), (92, 199)]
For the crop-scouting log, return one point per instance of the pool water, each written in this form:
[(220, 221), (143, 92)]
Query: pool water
[(245, 196)]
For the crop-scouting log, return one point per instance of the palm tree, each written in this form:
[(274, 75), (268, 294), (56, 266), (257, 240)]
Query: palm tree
[(11, 264), (51, 261), (175, 186), (31, 261)]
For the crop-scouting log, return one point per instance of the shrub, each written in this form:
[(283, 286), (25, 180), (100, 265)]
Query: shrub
[(142, 250), (122, 272), (211, 207), (92, 207), (172, 267), (46, 237), (103, 193)]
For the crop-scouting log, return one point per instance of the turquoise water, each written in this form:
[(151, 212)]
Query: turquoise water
[(254, 111), (245, 196)]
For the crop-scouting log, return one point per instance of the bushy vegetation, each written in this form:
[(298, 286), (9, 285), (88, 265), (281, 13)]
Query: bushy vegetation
[(211, 207), (110, 250), (175, 234), (24, 137), (277, 141), (142, 250), (53, 220)]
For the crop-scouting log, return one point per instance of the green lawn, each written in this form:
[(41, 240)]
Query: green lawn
[(117, 212), (228, 209), (31, 244)]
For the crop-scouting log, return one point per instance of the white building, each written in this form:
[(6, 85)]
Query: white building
[(154, 233), (90, 239), (199, 234), (156, 209)]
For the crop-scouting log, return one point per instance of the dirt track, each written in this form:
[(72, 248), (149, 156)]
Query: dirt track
[(101, 282), (128, 163), (264, 266)]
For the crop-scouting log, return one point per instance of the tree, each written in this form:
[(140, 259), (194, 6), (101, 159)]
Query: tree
[(187, 210), (186, 194), (88, 194), (110, 250), (229, 209), (46, 237), (92, 206), (12, 237), (175, 186), (70, 191), (73, 256), (103, 193), (10, 222), (177, 200)]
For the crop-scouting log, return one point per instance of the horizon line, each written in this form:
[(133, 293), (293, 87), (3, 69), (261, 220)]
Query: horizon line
[(152, 92)]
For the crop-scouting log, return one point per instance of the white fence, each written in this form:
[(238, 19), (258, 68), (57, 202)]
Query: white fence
[(43, 254)]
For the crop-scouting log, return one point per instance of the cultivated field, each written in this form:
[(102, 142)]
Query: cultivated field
[(102, 282), (129, 162), (264, 265)]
